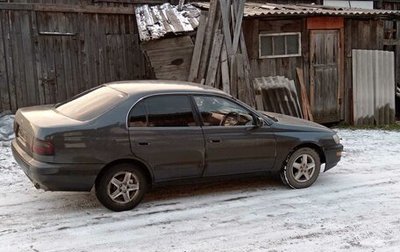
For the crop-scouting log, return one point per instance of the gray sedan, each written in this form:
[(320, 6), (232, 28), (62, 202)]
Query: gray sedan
[(123, 137)]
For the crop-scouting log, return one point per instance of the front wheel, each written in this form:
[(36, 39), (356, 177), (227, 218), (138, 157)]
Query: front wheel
[(302, 168), (121, 187)]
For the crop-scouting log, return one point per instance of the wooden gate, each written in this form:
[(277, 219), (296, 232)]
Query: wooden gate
[(325, 75)]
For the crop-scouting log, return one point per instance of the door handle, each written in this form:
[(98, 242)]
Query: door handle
[(214, 140), (143, 143)]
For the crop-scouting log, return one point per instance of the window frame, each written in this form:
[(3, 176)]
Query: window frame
[(142, 99), (266, 34)]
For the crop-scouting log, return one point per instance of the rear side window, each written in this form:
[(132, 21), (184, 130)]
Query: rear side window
[(138, 116), (89, 105), (163, 111)]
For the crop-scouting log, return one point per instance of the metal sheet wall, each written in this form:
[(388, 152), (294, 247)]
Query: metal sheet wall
[(373, 87)]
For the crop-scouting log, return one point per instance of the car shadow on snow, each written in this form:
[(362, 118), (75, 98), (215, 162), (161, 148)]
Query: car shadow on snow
[(236, 188), (212, 187), (164, 194)]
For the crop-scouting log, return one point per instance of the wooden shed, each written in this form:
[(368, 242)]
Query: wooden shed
[(320, 40)]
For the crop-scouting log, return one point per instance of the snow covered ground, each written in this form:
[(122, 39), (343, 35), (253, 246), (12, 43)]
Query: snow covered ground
[(355, 206)]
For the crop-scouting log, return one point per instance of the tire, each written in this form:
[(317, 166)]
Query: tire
[(121, 187), (298, 174)]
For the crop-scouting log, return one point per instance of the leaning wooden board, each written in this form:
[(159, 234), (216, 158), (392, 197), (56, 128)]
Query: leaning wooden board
[(305, 104)]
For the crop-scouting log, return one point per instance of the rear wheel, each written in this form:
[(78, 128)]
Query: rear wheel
[(302, 168), (121, 187)]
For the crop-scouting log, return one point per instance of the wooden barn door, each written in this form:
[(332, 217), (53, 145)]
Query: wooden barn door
[(325, 75)]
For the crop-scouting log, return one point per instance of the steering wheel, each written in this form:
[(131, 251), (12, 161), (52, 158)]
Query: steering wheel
[(232, 115)]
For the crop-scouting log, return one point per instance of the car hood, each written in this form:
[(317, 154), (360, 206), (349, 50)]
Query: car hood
[(294, 122)]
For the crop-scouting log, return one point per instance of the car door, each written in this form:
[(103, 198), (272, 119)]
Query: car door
[(165, 134), (233, 143)]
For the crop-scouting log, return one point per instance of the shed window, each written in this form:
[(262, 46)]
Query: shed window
[(278, 45)]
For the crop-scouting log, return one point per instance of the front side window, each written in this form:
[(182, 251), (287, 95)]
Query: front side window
[(218, 111), (163, 111), (277, 45)]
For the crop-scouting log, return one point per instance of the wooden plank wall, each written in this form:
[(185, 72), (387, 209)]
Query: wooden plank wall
[(276, 66), (170, 57), (93, 2), (49, 56), (359, 34)]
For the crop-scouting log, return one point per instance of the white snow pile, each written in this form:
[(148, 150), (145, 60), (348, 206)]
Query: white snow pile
[(6, 126)]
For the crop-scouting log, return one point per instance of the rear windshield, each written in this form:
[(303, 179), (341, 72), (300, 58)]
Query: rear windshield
[(91, 104)]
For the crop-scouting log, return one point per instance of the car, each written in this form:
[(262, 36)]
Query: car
[(123, 137)]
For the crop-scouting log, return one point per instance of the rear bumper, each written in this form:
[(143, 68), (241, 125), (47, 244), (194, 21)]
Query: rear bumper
[(56, 177), (333, 155)]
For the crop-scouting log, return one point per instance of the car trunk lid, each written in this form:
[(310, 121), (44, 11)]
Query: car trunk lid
[(38, 122)]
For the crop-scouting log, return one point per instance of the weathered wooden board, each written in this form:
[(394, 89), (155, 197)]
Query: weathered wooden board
[(277, 94), (305, 104), (275, 66), (170, 58), (49, 56), (197, 51), (213, 23), (214, 59), (325, 75)]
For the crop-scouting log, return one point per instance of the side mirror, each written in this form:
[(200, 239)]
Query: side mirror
[(259, 122)]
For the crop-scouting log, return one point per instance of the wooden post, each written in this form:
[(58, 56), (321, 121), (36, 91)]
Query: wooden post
[(225, 11), (212, 18), (238, 25), (225, 70), (305, 105), (214, 59), (198, 46)]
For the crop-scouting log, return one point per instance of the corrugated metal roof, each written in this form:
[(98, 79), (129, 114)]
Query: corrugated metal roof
[(270, 9), (157, 21)]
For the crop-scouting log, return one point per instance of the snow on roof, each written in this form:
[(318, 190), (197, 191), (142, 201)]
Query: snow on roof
[(157, 21)]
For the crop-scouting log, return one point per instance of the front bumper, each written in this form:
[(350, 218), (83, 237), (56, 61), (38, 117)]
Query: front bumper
[(333, 155), (56, 177)]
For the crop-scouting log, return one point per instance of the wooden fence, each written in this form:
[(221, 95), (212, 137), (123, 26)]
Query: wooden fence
[(49, 53)]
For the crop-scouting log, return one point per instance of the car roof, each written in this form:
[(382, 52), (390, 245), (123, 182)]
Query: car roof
[(145, 87)]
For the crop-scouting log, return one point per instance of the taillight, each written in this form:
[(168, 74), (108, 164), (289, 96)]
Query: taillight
[(41, 147)]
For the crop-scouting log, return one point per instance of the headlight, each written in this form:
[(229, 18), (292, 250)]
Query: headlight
[(336, 138)]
